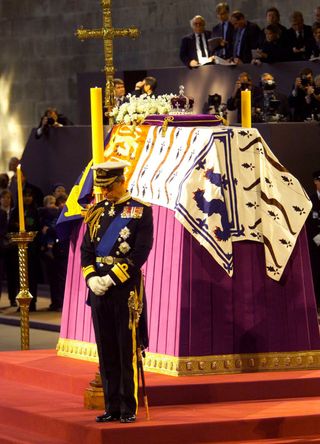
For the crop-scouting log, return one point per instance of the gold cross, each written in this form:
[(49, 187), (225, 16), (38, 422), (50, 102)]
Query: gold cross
[(107, 33)]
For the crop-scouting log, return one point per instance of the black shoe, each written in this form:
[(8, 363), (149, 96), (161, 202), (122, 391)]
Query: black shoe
[(128, 418), (108, 417)]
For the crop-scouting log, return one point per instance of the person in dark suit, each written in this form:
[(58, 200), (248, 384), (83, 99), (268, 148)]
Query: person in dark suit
[(273, 18), (273, 49), (223, 29), (244, 82), (299, 38), (316, 15), (146, 86), (116, 244), (194, 48), (246, 37), (270, 105), (51, 118), (119, 91), (313, 230), (315, 49), (302, 99)]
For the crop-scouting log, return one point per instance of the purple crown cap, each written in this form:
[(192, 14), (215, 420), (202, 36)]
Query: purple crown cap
[(182, 103)]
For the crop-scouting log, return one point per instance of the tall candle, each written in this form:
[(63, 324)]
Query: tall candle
[(246, 109), (20, 200), (97, 125)]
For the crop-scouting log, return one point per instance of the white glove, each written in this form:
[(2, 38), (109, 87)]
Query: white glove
[(107, 282), (96, 285)]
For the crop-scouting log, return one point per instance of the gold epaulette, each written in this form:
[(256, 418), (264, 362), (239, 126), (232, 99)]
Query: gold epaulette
[(92, 218), (147, 204)]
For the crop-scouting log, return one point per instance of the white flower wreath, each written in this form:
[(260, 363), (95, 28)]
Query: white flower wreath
[(136, 109)]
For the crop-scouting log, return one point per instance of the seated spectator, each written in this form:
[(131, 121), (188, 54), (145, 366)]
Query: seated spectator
[(243, 83), (271, 106), (302, 100), (246, 37), (51, 118), (273, 49), (299, 38), (224, 30), (145, 86), (119, 91), (315, 49), (194, 49)]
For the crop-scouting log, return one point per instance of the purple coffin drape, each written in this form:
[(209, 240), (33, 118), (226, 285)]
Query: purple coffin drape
[(195, 309)]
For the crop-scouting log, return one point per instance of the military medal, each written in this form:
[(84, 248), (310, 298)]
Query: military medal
[(132, 212), (112, 212)]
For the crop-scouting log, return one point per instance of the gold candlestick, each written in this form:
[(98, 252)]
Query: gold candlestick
[(24, 297)]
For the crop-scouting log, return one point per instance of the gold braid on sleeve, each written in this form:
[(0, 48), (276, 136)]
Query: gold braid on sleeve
[(92, 219)]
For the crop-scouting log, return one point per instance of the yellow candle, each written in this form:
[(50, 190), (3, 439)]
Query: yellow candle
[(246, 109), (20, 200), (97, 125)]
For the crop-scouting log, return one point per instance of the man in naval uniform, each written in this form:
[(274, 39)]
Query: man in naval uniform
[(117, 242)]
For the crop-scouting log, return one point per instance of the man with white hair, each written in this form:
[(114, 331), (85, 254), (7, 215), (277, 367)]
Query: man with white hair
[(194, 49)]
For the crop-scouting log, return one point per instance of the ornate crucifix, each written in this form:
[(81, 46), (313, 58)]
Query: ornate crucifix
[(107, 33)]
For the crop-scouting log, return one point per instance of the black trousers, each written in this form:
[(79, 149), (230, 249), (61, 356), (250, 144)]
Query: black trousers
[(117, 350)]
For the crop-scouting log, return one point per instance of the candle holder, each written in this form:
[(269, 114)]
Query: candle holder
[(24, 297)]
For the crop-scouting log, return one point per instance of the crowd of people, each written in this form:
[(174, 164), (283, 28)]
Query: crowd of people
[(47, 256), (269, 105), (237, 39)]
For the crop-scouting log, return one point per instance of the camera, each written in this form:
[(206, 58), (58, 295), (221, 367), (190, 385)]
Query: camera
[(274, 105), (50, 120), (305, 81), (216, 106), (214, 101), (268, 85)]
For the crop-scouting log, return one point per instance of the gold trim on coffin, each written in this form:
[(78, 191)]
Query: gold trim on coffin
[(204, 365), (70, 348)]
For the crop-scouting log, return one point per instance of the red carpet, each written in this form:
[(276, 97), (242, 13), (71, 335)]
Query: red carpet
[(42, 402)]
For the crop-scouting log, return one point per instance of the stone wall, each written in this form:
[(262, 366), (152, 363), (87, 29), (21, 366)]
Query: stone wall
[(42, 57)]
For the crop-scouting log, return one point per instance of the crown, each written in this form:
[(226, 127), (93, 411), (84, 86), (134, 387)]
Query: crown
[(181, 104)]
